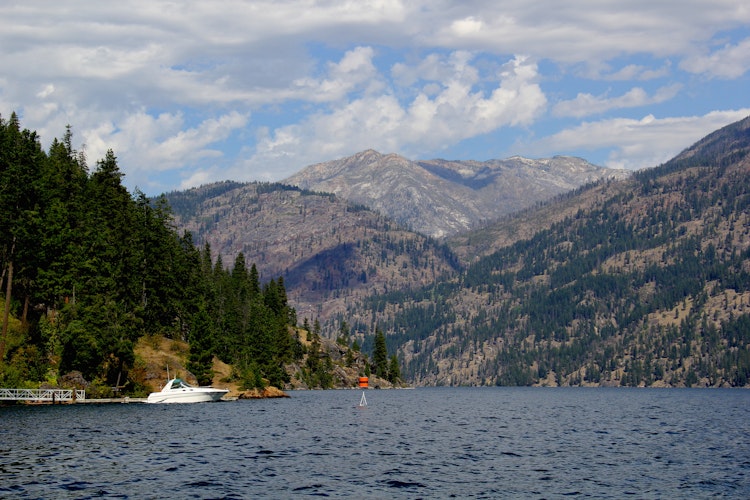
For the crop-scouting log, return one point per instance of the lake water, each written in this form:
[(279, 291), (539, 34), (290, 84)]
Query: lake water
[(422, 443)]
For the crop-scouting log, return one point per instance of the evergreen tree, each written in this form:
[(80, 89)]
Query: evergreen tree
[(254, 282), (64, 219), (21, 163), (343, 337), (200, 360), (380, 355), (394, 371)]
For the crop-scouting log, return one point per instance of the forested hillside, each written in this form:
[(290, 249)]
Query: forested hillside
[(639, 282), (88, 269), (328, 251)]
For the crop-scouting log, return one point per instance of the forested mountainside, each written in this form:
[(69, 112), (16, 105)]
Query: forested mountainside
[(644, 281), (327, 250), (470, 246), (89, 270), (440, 198)]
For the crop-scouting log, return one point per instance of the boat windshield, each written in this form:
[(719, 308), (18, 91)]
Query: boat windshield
[(178, 383)]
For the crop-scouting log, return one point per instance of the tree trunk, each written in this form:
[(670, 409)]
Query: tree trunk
[(6, 313), (25, 313)]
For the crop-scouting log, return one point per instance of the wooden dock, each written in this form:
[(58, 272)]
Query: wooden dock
[(43, 395), (112, 400), (58, 396)]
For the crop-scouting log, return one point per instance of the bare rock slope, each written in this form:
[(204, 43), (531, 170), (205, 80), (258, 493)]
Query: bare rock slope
[(440, 198)]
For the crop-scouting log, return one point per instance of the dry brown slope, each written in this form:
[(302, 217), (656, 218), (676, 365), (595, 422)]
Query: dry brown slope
[(159, 358), (327, 250)]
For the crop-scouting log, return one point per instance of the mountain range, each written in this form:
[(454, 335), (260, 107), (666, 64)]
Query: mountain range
[(347, 228), (327, 250), (440, 198), (639, 279), (640, 282)]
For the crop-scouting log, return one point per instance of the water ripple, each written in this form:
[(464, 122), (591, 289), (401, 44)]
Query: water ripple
[(425, 443)]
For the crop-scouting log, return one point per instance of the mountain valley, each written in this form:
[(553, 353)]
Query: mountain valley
[(619, 280)]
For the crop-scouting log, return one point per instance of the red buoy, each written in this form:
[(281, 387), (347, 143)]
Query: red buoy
[(363, 382)]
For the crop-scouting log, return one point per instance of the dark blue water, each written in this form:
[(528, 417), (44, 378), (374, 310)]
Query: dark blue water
[(423, 443)]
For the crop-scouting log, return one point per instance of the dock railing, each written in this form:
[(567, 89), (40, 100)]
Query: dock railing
[(42, 395)]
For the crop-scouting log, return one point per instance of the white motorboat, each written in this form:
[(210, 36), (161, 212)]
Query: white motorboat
[(179, 391)]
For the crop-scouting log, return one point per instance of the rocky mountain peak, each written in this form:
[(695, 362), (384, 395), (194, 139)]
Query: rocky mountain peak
[(440, 198)]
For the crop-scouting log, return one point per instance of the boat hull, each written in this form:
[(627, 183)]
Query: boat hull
[(177, 391)]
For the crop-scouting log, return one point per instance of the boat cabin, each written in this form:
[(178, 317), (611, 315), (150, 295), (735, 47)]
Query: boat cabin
[(178, 383)]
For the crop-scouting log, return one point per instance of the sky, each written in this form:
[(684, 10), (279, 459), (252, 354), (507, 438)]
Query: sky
[(191, 92)]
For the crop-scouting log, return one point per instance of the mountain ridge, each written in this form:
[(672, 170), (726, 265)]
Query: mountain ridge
[(326, 249), (440, 198), (638, 282)]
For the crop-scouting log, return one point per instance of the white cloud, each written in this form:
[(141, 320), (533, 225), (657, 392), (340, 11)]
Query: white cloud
[(637, 144), (629, 72), (467, 27), (586, 104), (354, 71), (198, 178), (148, 144), (46, 91), (731, 61), (168, 84), (585, 32), (436, 68), (427, 122)]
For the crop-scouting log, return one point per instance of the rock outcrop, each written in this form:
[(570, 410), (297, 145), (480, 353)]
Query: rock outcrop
[(440, 198)]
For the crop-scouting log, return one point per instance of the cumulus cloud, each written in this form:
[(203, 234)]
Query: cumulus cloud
[(586, 104), (429, 121), (149, 144), (436, 68), (637, 144), (731, 61), (171, 86), (585, 32), (354, 71)]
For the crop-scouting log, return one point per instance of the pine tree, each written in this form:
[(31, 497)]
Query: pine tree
[(394, 371), (343, 337), (21, 163), (200, 360), (380, 355)]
